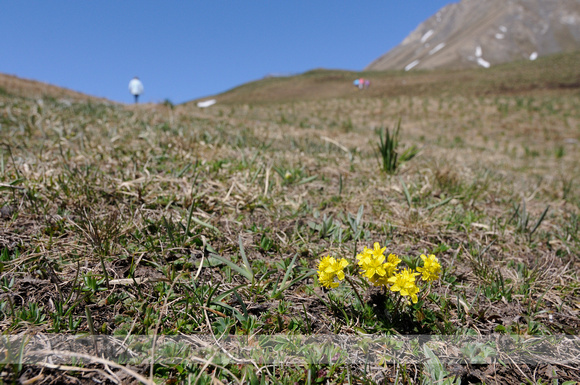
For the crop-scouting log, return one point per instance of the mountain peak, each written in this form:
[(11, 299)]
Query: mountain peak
[(483, 33)]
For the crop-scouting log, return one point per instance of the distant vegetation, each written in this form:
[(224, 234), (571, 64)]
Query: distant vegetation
[(547, 74)]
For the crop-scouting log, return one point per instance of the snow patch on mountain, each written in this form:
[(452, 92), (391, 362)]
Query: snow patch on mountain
[(437, 48), (483, 63), (427, 36), (411, 65)]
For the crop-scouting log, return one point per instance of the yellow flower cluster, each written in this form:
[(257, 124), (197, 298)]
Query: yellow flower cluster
[(431, 268), (372, 266), (330, 268), (404, 283), (381, 271)]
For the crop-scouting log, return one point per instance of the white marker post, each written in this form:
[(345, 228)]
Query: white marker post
[(136, 88)]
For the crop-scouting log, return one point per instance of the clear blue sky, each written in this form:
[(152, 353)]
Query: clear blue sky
[(183, 50)]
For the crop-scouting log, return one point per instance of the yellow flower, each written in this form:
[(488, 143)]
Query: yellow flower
[(431, 268), (374, 266), (390, 268), (392, 263), (377, 250), (364, 257), (328, 268), (371, 262), (395, 260), (377, 280), (412, 292), (404, 283)]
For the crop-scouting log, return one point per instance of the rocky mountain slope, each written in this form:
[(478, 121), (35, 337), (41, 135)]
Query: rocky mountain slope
[(483, 33)]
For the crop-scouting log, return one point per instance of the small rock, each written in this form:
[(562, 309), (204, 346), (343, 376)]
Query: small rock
[(551, 372), (7, 211)]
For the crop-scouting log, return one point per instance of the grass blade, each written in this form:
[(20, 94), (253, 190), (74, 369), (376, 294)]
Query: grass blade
[(307, 180), (241, 302), (184, 170), (238, 269), (439, 204), (295, 280), (211, 293), (406, 191), (205, 224), (187, 227), (540, 220), (245, 259), (227, 292), (169, 231), (359, 214), (276, 292)]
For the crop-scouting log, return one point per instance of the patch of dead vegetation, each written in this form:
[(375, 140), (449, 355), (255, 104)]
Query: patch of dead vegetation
[(149, 194)]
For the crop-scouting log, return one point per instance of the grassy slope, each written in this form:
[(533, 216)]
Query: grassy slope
[(546, 74), (150, 192), (15, 86)]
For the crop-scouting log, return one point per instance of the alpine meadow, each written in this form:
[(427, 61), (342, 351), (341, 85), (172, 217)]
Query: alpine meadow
[(425, 230)]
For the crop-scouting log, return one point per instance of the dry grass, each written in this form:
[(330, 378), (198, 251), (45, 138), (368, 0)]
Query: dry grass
[(546, 76), (149, 193), (10, 84)]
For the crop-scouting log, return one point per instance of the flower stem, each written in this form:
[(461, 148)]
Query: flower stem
[(397, 306), (355, 291), (427, 292)]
